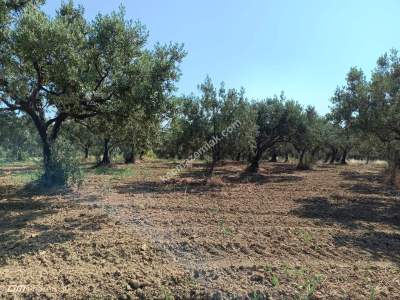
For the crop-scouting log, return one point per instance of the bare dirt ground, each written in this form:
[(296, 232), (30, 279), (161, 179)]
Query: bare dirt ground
[(329, 233)]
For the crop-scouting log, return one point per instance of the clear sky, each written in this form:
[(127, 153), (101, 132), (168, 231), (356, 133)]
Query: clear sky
[(302, 47)]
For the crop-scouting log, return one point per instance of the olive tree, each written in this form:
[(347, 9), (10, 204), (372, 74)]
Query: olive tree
[(308, 136), (80, 135), (374, 106), (342, 113), (276, 122), (379, 112), (55, 69)]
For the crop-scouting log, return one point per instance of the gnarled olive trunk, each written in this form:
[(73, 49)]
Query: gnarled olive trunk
[(333, 156), (19, 154), (86, 152), (47, 162), (106, 152), (216, 155), (302, 165), (327, 157), (141, 155), (255, 161), (314, 153), (286, 157), (344, 156), (129, 156), (48, 135), (274, 157), (238, 156)]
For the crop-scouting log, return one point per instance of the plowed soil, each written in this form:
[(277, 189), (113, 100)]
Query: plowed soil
[(329, 233)]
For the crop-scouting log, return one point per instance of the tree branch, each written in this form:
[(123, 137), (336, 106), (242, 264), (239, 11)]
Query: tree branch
[(57, 125), (10, 106), (53, 92), (101, 79), (39, 83)]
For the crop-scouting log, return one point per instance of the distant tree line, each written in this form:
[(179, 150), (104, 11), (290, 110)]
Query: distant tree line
[(97, 87)]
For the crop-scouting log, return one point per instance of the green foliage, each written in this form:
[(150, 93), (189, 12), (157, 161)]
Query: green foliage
[(271, 122), (311, 284), (80, 136), (273, 277), (226, 230), (96, 84), (17, 137), (373, 294), (279, 121), (26, 177), (373, 107), (274, 280), (308, 136), (305, 236), (67, 68), (116, 173), (256, 295), (196, 120), (343, 115)]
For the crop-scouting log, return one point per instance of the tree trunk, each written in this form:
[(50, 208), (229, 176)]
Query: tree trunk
[(19, 155), (50, 173), (106, 153), (238, 156), (286, 157), (86, 152), (215, 158), (344, 156), (314, 152), (273, 155), (395, 165), (255, 161), (333, 156), (302, 165), (327, 157), (211, 168), (129, 156)]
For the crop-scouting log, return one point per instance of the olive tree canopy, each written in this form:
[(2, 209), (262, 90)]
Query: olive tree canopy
[(66, 67)]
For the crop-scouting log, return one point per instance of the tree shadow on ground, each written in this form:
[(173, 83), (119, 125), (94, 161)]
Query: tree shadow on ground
[(193, 180), (258, 178), (368, 206), (279, 168), (23, 229), (268, 173), (168, 187), (370, 183), (380, 244), (362, 177), (17, 169), (351, 212), (172, 164)]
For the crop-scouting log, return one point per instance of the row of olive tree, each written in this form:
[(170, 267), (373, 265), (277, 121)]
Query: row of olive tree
[(96, 84), (268, 128), (276, 126)]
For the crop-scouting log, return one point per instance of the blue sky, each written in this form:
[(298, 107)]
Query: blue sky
[(303, 48)]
